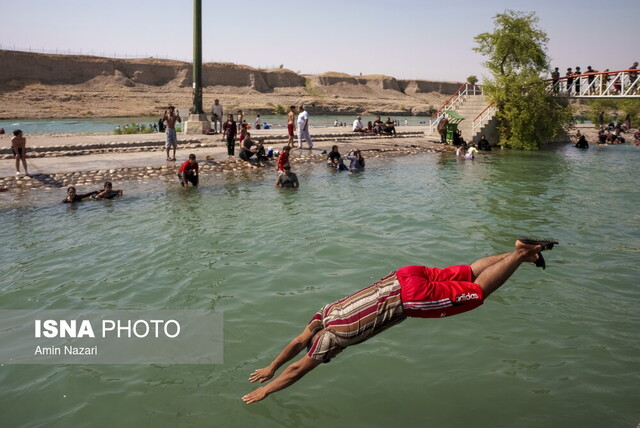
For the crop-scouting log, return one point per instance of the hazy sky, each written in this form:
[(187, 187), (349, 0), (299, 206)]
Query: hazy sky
[(417, 39)]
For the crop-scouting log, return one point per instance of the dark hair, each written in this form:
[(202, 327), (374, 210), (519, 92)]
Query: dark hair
[(292, 107), (192, 156), (17, 132), (108, 184), (287, 166), (69, 188)]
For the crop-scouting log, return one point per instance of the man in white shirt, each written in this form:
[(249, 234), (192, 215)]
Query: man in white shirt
[(303, 128), (217, 113), (357, 125)]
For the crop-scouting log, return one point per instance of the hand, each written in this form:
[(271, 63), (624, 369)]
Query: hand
[(261, 375), (255, 395)]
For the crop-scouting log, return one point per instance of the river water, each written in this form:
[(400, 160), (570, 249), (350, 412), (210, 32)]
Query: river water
[(108, 125), (552, 348)]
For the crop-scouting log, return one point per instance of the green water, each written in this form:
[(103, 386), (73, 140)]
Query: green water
[(552, 348)]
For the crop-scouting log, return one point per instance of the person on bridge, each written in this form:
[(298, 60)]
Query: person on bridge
[(633, 74), (411, 291), (555, 76), (569, 77)]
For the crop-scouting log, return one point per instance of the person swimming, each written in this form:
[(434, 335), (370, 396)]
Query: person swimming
[(108, 192), (72, 196)]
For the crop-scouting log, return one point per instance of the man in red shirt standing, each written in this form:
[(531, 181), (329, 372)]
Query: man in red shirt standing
[(412, 291), (188, 172)]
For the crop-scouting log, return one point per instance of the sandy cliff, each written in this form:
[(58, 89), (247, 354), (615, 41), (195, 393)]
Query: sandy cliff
[(56, 86)]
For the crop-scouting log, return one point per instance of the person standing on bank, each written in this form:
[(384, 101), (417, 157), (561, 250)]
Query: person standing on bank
[(19, 148), (229, 130), (217, 115), (291, 124), (303, 128), (442, 129), (171, 116)]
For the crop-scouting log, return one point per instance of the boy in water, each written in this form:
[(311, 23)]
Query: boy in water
[(188, 172), (108, 192)]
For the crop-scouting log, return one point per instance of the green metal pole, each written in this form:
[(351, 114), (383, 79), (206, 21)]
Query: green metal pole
[(197, 57)]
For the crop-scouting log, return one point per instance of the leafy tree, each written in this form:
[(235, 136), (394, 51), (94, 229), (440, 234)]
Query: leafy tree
[(624, 107), (528, 116), (472, 80)]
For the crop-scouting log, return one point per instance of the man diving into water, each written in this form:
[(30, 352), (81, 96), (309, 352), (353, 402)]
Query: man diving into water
[(412, 291)]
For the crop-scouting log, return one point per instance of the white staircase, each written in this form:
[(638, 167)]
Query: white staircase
[(470, 103)]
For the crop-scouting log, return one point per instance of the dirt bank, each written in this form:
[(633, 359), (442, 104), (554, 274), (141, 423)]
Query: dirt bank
[(62, 86)]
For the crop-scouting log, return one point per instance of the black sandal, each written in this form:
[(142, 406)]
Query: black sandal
[(546, 244)]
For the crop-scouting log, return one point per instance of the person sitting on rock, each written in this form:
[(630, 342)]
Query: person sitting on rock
[(358, 126), (389, 127), (247, 148), (378, 126)]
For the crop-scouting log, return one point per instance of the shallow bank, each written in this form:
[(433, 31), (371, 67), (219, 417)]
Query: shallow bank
[(91, 160)]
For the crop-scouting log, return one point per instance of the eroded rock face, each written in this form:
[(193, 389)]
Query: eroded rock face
[(104, 87)]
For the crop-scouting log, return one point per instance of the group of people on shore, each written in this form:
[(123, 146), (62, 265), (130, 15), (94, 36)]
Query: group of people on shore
[(377, 127), (236, 129)]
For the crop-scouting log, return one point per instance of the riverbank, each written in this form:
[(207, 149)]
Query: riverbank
[(57, 161)]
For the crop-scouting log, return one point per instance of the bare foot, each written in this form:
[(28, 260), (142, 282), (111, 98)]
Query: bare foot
[(528, 252)]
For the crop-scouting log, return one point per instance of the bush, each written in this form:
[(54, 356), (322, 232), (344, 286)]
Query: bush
[(279, 109), (134, 128)]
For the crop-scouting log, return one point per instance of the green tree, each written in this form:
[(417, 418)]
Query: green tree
[(472, 80), (622, 106), (528, 116)]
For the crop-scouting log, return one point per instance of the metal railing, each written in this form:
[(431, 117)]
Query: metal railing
[(465, 90), (484, 116), (606, 84)]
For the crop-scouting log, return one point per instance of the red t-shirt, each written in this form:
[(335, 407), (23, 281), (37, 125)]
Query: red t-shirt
[(187, 167), (283, 159)]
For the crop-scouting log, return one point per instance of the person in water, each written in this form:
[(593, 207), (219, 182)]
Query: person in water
[(357, 161), (72, 195), (188, 172), (411, 291), (582, 143), (107, 192), (288, 179), (334, 159)]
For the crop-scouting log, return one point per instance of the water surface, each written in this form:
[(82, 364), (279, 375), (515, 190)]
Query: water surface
[(552, 348)]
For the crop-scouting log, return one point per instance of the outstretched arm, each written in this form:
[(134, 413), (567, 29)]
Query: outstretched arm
[(289, 376), (291, 350)]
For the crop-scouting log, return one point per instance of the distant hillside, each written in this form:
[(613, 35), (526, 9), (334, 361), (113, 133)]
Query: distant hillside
[(41, 85)]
